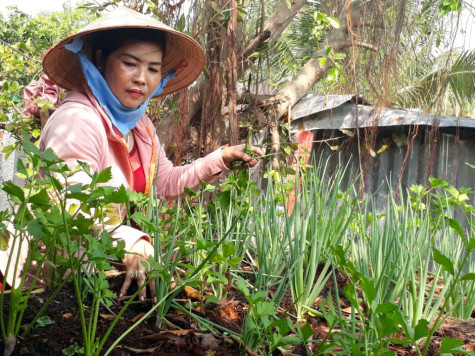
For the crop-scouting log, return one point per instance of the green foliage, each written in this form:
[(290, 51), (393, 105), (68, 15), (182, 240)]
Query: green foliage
[(322, 23), (24, 40), (408, 266), (263, 325), (204, 242), (319, 221), (388, 260), (73, 350), (446, 82), (247, 149), (61, 217), (447, 6), (44, 321), (292, 50)]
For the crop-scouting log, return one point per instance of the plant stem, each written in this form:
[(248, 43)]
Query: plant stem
[(443, 315), (203, 321)]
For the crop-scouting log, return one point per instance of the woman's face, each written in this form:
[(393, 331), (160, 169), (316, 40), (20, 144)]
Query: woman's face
[(133, 72)]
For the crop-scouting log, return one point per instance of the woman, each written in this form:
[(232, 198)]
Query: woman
[(112, 68)]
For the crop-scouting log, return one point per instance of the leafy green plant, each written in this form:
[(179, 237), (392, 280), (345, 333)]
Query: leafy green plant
[(74, 349), (369, 319), (391, 259), (167, 255), (247, 149), (62, 218), (389, 249), (319, 221), (262, 325), (68, 226), (270, 272), (24, 40), (455, 261), (21, 230), (229, 213), (189, 278)]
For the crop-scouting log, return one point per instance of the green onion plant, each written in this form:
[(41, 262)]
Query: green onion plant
[(319, 222)]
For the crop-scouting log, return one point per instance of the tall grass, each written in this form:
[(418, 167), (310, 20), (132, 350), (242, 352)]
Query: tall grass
[(387, 247), (319, 222), (391, 255), (267, 250)]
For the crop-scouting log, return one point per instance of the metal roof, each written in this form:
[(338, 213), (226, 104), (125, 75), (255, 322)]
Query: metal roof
[(323, 112)]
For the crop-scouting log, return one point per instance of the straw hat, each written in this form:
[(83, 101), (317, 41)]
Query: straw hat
[(63, 67)]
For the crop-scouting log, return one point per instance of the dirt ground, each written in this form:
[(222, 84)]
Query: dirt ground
[(185, 338)]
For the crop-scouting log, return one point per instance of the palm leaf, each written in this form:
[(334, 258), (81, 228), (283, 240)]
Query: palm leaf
[(440, 79)]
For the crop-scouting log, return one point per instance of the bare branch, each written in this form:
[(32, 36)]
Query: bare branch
[(18, 51), (356, 44), (255, 43)]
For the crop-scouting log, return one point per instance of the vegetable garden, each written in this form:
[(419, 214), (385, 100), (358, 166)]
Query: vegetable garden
[(296, 264), (377, 280)]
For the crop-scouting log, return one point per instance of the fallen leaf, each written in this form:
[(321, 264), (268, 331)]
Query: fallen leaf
[(137, 317), (348, 310), (168, 335), (178, 337), (318, 300), (194, 294), (179, 332), (226, 311), (161, 337), (107, 316), (470, 347)]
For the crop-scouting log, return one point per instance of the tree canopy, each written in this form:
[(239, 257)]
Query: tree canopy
[(263, 56)]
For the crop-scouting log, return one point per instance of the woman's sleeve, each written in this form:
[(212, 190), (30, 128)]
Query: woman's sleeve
[(75, 134), (172, 181)]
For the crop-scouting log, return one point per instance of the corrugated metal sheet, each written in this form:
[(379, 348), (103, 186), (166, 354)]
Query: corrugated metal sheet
[(412, 146), (319, 112), (313, 103)]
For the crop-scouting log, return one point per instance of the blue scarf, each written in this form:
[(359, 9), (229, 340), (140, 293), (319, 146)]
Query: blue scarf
[(123, 117)]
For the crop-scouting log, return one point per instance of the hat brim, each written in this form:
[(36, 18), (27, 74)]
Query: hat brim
[(182, 52)]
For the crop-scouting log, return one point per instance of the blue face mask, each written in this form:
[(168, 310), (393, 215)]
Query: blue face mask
[(123, 117)]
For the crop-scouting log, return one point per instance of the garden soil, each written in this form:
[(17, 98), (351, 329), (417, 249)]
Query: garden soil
[(185, 337)]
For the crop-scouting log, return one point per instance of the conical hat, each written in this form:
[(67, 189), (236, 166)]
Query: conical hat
[(182, 51)]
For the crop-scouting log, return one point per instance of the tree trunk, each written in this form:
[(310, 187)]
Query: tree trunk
[(232, 75), (273, 28), (213, 88), (311, 72)]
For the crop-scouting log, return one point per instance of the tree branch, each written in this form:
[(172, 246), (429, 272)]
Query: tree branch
[(255, 43), (18, 51), (356, 44), (312, 71), (273, 28)]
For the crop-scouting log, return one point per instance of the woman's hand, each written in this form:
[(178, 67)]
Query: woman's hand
[(236, 153), (140, 251)]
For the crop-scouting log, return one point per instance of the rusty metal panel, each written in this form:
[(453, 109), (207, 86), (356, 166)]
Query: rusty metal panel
[(312, 114), (386, 146), (428, 153)]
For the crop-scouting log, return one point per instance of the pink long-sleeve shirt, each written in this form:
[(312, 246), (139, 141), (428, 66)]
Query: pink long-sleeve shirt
[(80, 130)]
